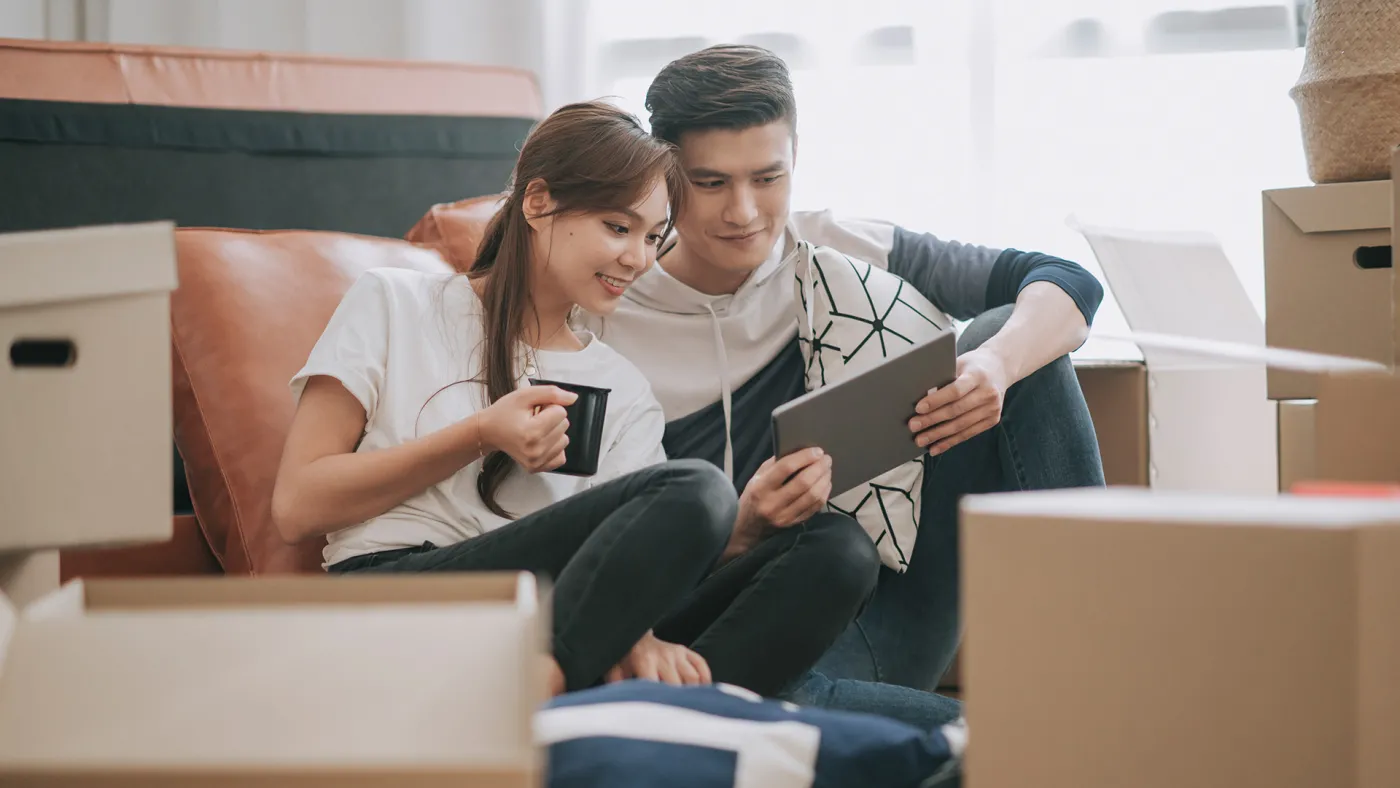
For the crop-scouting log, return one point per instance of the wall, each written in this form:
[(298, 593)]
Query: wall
[(537, 35)]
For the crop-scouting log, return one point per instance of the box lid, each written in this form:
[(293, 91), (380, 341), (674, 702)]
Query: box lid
[(1185, 347), (1336, 207), (54, 266), (1120, 504), (1180, 282), (108, 595)]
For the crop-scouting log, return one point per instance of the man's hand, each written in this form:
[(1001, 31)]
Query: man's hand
[(658, 660), (965, 408)]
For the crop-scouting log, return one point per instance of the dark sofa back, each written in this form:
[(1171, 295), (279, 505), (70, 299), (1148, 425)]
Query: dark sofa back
[(95, 134)]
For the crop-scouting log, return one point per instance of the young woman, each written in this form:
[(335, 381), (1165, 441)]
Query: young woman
[(420, 445)]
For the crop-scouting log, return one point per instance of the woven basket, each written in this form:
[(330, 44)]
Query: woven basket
[(1348, 95)]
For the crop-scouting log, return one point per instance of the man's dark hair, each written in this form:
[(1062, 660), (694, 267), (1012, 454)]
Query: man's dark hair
[(722, 87)]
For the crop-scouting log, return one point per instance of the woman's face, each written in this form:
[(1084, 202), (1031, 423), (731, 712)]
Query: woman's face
[(591, 258)]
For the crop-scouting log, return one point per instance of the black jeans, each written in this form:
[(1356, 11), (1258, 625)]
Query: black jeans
[(639, 553), (764, 618), (620, 555), (910, 631)]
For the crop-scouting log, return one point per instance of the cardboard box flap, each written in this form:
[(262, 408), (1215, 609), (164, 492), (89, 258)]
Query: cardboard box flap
[(52, 266), (1336, 207), (313, 680), (1154, 506), (166, 594), (417, 686), (1277, 358), (1174, 281)]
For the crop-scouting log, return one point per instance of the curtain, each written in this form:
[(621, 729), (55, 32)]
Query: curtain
[(993, 121)]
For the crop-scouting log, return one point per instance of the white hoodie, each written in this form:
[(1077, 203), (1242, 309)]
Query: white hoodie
[(697, 349)]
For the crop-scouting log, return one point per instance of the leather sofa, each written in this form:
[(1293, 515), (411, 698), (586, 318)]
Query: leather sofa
[(249, 307)]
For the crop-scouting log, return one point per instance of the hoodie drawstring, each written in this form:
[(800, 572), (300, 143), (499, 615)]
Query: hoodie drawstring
[(808, 284), (725, 395)]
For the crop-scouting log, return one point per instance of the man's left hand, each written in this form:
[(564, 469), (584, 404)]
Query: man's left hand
[(965, 408)]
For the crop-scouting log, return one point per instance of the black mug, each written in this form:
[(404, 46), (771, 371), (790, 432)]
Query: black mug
[(585, 432)]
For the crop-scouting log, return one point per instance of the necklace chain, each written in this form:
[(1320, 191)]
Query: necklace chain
[(532, 359)]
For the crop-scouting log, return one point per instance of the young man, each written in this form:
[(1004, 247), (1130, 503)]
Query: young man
[(712, 327)]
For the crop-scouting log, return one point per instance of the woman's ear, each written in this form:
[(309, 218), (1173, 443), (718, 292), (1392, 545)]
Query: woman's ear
[(538, 206)]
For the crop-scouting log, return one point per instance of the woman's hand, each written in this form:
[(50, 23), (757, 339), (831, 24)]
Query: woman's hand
[(529, 425), (658, 660)]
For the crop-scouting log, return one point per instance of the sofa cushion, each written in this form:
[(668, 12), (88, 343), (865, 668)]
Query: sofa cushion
[(187, 553), (249, 308), (454, 229)]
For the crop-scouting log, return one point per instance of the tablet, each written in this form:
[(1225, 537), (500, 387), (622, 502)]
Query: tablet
[(863, 421)]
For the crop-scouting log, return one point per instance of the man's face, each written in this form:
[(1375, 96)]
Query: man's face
[(740, 190)]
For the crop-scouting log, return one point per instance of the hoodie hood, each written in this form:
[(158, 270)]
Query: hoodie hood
[(697, 348), (659, 291)]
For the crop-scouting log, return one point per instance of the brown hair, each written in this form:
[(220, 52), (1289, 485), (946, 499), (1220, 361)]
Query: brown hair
[(593, 157), (723, 87)]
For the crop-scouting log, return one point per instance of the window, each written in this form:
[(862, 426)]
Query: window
[(993, 121)]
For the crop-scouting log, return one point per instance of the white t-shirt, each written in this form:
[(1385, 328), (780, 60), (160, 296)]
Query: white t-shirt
[(396, 340)]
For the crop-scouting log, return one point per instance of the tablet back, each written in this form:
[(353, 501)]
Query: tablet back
[(863, 421)]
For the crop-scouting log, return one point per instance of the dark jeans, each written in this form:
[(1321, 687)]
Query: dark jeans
[(620, 555), (764, 618), (909, 632), (637, 553)]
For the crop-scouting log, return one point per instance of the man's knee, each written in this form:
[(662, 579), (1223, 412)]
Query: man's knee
[(844, 554), (982, 328), (1058, 375)]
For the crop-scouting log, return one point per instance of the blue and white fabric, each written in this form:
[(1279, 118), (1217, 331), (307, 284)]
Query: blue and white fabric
[(642, 733)]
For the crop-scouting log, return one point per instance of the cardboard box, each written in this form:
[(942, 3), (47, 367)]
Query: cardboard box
[(1116, 392), (1356, 422), (1210, 425), (1297, 444), (1319, 295), (283, 681), (1357, 432), (1140, 638), (85, 320)]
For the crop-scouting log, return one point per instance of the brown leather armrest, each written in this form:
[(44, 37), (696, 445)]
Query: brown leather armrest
[(187, 553)]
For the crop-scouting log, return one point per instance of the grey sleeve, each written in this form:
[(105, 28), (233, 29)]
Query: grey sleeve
[(952, 275), (965, 280)]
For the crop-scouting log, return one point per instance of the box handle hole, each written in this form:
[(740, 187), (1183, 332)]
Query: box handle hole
[(1370, 258), (43, 353)]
